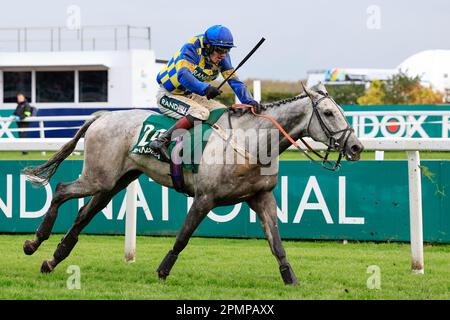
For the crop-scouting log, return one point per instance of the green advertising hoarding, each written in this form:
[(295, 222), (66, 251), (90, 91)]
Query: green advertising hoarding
[(366, 200), (412, 121)]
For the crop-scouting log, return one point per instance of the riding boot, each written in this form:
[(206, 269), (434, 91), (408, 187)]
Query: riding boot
[(161, 144)]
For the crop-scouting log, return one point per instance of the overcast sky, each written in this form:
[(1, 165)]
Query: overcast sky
[(300, 35)]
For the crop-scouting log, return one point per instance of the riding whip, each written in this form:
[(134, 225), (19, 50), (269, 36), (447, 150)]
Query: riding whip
[(243, 61)]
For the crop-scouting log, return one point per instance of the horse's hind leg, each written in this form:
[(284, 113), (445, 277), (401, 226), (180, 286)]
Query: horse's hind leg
[(198, 211), (99, 201), (64, 192), (85, 215), (265, 206)]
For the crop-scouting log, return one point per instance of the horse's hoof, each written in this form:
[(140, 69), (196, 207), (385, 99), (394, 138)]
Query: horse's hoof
[(29, 247), (46, 267), (166, 265), (162, 276), (288, 275), (294, 283)]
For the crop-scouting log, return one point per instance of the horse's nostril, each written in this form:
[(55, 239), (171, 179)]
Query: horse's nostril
[(355, 148)]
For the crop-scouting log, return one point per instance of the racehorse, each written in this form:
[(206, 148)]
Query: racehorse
[(109, 167)]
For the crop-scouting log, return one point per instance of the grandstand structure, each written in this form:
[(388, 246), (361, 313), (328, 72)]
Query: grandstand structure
[(77, 72)]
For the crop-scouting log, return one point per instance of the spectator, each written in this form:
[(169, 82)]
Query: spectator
[(22, 111)]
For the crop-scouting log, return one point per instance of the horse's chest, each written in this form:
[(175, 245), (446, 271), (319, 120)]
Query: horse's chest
[(244, 184)]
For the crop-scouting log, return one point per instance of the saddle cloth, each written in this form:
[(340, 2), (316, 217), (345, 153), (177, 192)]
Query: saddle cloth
[(156, 124)]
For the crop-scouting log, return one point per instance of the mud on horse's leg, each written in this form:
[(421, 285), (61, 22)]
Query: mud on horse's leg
[(198, 211), (265, 206)]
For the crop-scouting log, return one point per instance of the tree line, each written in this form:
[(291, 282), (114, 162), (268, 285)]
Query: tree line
[(399, 89)]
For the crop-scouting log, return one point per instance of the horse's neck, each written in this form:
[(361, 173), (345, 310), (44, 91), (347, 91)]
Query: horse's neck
[(291, 116)]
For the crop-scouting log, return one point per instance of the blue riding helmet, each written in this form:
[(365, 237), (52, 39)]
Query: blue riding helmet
[(220, 36)]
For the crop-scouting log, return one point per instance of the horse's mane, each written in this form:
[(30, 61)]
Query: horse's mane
[(265, 106), (283, 102)]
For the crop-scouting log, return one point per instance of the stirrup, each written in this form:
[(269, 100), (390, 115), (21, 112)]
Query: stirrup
[(160, 146), (158, 143)]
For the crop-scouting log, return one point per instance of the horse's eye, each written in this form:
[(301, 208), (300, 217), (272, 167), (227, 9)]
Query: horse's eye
[(328, 113)]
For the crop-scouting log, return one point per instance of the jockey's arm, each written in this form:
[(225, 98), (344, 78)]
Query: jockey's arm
[(239, 88), (185, 66)]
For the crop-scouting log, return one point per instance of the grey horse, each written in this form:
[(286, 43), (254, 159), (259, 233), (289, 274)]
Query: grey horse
[(312, 114)]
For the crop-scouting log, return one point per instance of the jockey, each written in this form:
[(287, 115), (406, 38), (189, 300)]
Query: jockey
[(184, 91)]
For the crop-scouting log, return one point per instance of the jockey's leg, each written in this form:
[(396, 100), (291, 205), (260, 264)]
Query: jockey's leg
[(209, 104), (177, 106), (169, 105), (161, 143)]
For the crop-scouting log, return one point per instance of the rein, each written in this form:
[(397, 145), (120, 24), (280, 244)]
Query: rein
[(325, 163)]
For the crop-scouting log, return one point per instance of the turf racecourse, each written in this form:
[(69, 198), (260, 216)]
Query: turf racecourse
[(222, 269)]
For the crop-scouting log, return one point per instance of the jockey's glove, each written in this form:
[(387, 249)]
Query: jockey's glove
[(256, 106), (211, 92)]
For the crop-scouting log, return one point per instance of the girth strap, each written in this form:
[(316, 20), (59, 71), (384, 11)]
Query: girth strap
[(176, 166)]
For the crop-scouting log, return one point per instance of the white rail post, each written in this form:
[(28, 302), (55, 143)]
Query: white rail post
[(379, 155), (415, 212), (42, 134), (130, 222), (257, 90)]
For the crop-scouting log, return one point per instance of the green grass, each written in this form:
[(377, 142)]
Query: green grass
[(222, 269), (287, 155), (33, 155)]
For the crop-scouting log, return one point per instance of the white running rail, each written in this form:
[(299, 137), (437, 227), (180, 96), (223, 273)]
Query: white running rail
[(5, 123)]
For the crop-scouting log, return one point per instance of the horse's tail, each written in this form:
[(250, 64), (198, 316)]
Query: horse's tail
[(41, 175)]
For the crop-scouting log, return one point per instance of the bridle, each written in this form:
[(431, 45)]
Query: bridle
[(338, 144), (334, 143)]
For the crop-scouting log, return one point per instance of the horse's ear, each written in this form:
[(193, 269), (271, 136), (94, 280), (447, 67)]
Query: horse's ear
[(321, 87), (310, 93)]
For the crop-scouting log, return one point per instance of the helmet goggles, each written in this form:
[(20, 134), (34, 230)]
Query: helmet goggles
[(221, 49)]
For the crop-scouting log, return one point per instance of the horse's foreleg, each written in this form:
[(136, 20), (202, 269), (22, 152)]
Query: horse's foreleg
[(198, 211), (265, 206), (64, 192)]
